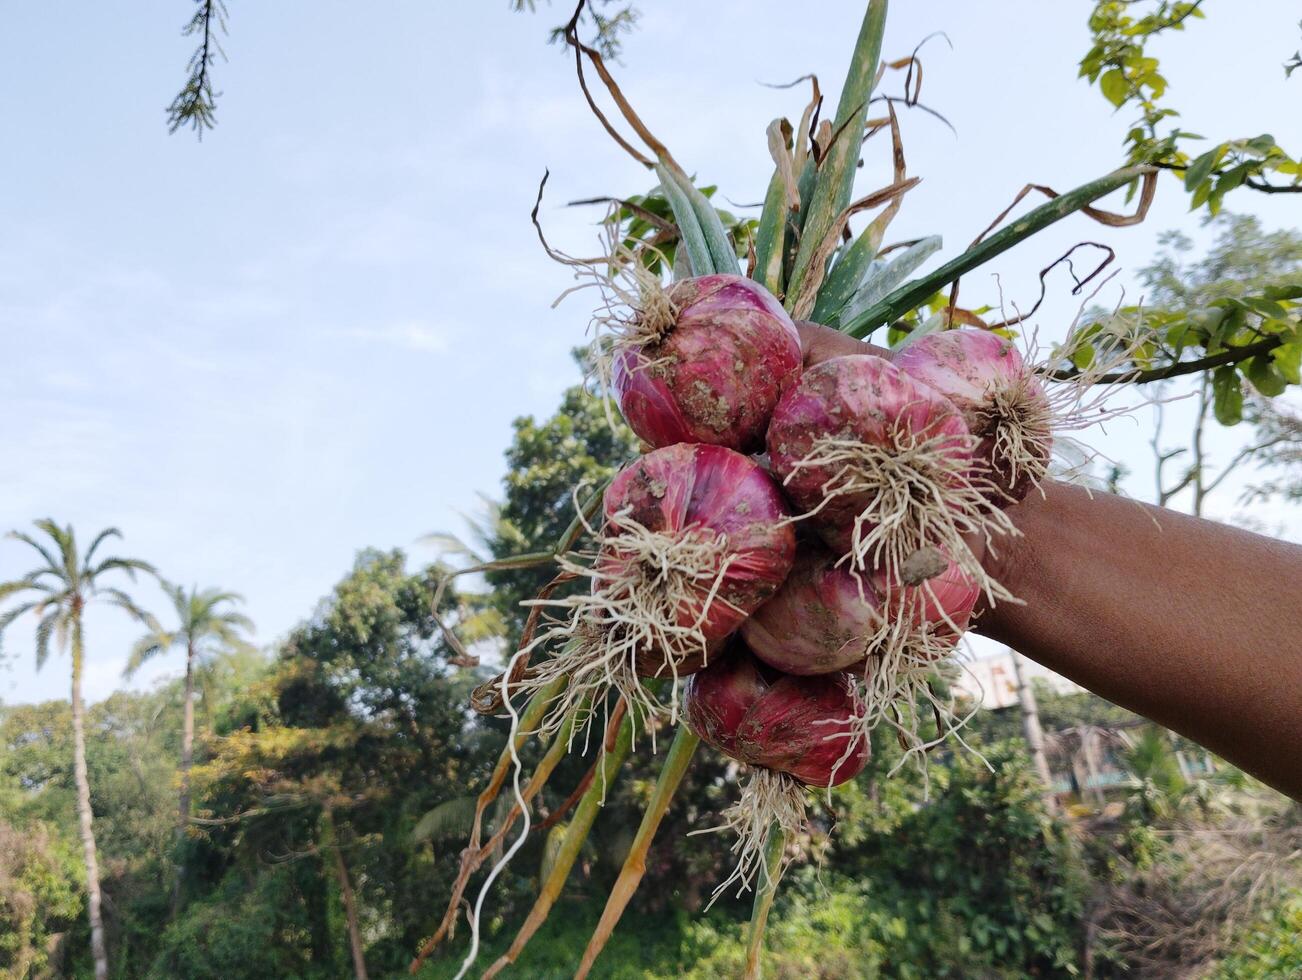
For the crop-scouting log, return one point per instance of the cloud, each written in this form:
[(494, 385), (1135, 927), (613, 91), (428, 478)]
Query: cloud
[(412, 335)]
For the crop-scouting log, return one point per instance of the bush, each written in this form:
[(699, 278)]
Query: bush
[(40, 893), (1272, 948)]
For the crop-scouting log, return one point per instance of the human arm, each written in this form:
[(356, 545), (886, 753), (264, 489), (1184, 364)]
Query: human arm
[(1191, 623)]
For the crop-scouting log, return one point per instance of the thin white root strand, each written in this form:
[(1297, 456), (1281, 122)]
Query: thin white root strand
[(641, 582), (1081, 402), (768, 797), (902, 664), (634, 311), (922, 492), (526, 821)]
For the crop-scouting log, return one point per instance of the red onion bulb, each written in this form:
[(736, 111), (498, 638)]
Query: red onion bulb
[(695, 539), (999, 396), (822, 620), (707, 367), (797, 725), (882, 464), (793, 732)]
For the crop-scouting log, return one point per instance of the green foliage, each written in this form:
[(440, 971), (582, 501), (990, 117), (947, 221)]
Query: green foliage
[(1233, 315), (196, 104), (983, 880), (241, 932), (1128, 75), (609, 20), (644, 225), (577, 446), (1271, 948), (40, 895)]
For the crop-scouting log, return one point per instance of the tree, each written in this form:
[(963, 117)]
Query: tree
[(577, 446), (65, 584), (38, 894), (1245, 261), (356, 731), (581, 445), (206, 627), (1127, 75)]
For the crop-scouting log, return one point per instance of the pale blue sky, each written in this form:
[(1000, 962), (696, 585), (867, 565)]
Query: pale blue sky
[(309, 333)]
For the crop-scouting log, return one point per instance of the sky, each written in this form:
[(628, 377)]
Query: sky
[(308, 334)]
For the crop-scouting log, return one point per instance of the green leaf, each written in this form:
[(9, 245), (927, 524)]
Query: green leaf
[(1266, 307), (1227, 395), (689, 225), (1288, 361), (1083, 357), (1261, 372), (834, 181), (1114, 86), (1261, 144), (1287, 291), (1202, 167), (1231, 179)]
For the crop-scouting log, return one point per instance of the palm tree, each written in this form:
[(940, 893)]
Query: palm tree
[(64, 585), (206, 626)]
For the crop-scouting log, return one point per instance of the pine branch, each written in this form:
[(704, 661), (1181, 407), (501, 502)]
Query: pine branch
[(196, 104)]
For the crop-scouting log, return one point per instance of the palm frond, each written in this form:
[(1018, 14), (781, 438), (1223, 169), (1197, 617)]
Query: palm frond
[(450, 545), (116, 597), (66, 539), (108, 532), (25, 584), (148, 646), (227, 634), (128, 565), (237, 621), (451, 818), (43, 630), (7, 617), (27, 539), (62, 627), (176, 595), (216, 597)]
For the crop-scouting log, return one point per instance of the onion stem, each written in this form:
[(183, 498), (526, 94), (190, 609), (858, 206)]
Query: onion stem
[(630, 876), (913, 294), (575, 835), (474, 855), (834, 184), (765, 889)]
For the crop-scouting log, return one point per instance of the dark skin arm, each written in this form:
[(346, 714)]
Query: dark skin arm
[(1191, 623)]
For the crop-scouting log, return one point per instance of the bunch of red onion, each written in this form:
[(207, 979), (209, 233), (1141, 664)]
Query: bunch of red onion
[(897, 471)]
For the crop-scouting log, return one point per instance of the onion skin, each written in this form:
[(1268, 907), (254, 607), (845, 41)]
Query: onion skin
[(719, 371), (857, 397), (819, 621), (942, 603), (688, 487), (778, 721), (715, 701), (972, 368)]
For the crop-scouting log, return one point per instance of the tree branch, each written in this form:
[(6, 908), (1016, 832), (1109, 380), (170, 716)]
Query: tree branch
[(1232, 355)]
